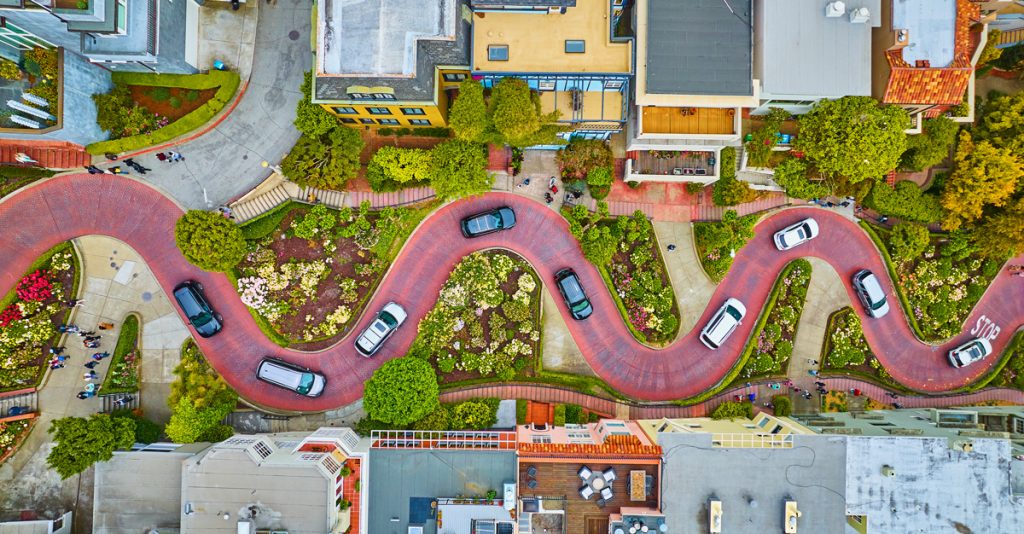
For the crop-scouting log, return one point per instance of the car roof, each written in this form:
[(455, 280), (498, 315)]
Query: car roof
[(722, 322), (571, 285), (872, 286), (188, 301)]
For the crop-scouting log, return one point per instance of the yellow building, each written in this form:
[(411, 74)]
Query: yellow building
[(761, 432), (575, 55), (390, 63)]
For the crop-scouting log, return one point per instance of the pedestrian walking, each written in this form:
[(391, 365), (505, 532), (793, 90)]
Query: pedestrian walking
[(856, 392), (92, 364), (84, 395), (91, 344), (90, 339), (175, 156), (105, 326), (74, 302), (819, 384), (68, 328), (100, 355), (56, 366), (893, 395), (671, 247), (91, 375), (812, 372), (897, 405), (56, 350)]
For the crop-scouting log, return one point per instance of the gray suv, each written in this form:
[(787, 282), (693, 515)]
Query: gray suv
[(869, 290)]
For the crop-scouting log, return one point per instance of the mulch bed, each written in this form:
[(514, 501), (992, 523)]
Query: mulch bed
[(142, 94)]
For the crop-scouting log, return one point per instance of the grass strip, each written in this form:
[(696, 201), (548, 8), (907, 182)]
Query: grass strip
[(127, 341)]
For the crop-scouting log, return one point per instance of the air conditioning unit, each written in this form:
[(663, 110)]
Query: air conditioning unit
[(835, 9), (860, 15)]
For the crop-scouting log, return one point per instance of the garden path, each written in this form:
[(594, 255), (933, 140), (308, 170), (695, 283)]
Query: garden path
[(691, 285), (60, 208)]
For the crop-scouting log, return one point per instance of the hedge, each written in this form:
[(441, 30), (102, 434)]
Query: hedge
[(225, 81), (127, 340), (783, 406), (559, 415), (521, 405), (890, 267)]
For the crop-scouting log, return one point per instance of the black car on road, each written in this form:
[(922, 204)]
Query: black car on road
[(201, 316), (572, 291), (488, 222)]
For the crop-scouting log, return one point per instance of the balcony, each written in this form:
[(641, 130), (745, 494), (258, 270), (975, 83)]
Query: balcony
[(672, 166), (584, 106), (687, 121)]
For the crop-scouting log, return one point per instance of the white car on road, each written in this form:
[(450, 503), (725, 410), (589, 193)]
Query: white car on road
[(970, 352), (385, 324), (796, 234)]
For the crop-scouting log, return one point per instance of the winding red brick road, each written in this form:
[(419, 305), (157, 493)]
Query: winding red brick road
[(58, 209)]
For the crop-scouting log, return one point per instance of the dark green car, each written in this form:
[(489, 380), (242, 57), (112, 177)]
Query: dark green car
[(488, 222), (575, 298)]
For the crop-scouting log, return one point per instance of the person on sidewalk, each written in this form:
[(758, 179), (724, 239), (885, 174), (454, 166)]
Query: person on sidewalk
[(92, 364), (105, 326), (74, 302), (91, 344), (91, 375)]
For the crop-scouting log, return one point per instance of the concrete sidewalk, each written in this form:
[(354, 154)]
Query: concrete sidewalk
[(115, 282), (693, 288)]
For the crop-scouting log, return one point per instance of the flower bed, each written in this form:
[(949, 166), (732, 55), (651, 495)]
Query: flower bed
[(938, 287), (718, 242), (11, 436), (29, 315), (172, 103), (125, 364), (307, 279), (845, 350), (13, 177), (771, 343), (485, 322)]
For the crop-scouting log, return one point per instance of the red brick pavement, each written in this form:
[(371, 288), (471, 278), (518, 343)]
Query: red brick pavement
[(73, 205)]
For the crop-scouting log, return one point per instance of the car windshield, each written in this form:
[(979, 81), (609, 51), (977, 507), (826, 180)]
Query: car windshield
[(388, 320), (188, 303), (573, 291), (483, 223), (801, 232), (201, 319), (306, 384), (733, 312), (580, 306)]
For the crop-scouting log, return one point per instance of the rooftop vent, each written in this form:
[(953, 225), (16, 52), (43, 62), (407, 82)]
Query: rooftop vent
[(835, 9), (860, 15)]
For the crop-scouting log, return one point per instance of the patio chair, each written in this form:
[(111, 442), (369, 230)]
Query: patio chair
[(606, 494), (585, 473), (702, 172), (531, 471), (688, 171), (586, 492), (601, 503), (532, 483), (609, 475)]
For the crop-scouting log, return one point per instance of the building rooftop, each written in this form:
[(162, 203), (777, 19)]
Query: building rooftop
[(802, 54), (523, 3), (403, 482), (394, 43), (932, 487), (538, 42), (138, 492), (699, 47), (753, 485), (931, 69), (137, 39)]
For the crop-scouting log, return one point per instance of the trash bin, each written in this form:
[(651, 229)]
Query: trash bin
[(219, 65)]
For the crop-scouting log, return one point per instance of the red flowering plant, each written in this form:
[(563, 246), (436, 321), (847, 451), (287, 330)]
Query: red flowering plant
[(35, 287), (10, 314)]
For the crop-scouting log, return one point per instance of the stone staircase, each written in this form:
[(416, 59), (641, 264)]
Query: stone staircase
[(24, 397), (110, 400), (260, 201)]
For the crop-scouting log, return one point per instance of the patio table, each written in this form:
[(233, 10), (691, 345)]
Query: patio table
[(637, 489)]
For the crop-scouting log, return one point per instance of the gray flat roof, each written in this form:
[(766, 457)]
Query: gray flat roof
[(523, 3), (136, 39), (137, 492), (393, 43), (399, 475), (753, 484), (935, 488), (931, 26), (699, 47), (802, 54)]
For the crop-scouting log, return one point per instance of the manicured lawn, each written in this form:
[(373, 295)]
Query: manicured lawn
[(123, 375)]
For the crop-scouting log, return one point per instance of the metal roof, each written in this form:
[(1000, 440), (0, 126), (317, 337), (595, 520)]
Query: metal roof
[(699, 47)]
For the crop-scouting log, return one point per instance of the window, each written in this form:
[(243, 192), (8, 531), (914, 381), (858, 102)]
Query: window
[(348, 120), (358, 96), (122, 16), (388, 121), (575, 46), (413, 111), (497, 53), (546, 85), (454, 76), (383, 96), (379, 111), (344, 110), (541, 439), (367, 121), (419, 122), (262, 450), (613, 84)]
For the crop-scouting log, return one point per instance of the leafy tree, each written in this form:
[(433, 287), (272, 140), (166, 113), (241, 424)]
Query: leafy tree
[(762, 140), (930, 147), (439, 419), (199, 400), (209, 241), (459, 169), (983, 175), (189, 424), (853, 137), (1002, 125), (905, 201), (468, 115), (991, 52), (312, 119), (516, 115), (82, 442), (791, 174), (146, 431), (326, 161), (599, 180), (908, 240), (1001, 235), (581, 156), (473, 415), (393, 168), (729, 191), (733, 410), (783, 406), (401, 391)]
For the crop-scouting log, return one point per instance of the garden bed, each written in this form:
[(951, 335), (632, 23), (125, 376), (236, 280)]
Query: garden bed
[(486, 321), (125, 364), (310, 270), (11, 435), (14, 177), (718, 242), (938, 287), (30, 314), (171, 102), (846, 352)]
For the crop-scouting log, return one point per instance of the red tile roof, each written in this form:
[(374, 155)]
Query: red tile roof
[(615, 446), (944, 85)]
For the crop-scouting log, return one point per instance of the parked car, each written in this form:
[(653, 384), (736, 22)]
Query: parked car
[(291, 376), (796, 234), (723, 323), (387, 321), (18, 410), (970, 352), (572, 291), (870, 292), (201, 316), (488, 222)]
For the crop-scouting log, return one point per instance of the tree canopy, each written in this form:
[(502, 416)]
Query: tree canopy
[(468, 115), (199, 400), (516, 115), (791, 175), (983, 176), (459, 169), (326, 161), (853, 137), (905, 200), (1003, 123), (310, 118), (209, 241), (393, 168), (931, 146), (401, 391), (82, 442), (1001, 235)]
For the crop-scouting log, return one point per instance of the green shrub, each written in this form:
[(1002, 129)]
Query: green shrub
[(694, 187), (160, 94), (574, 414), (9, 70), (729, 191), (905, 201), (439, 419), (718, 241), (473, 415), (559, 415), (438, 131), (581, 156), (191, 95), (174, 102), (733, 410), (401, 391), (209, 241), (908, 240), (783, 406), (521, 407), (791, 175)]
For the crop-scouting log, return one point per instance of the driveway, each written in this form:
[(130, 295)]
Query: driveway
[(226, 162), (60, 208)]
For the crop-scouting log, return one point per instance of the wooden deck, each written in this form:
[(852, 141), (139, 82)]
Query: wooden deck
[(706, 121), (584, 516)]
